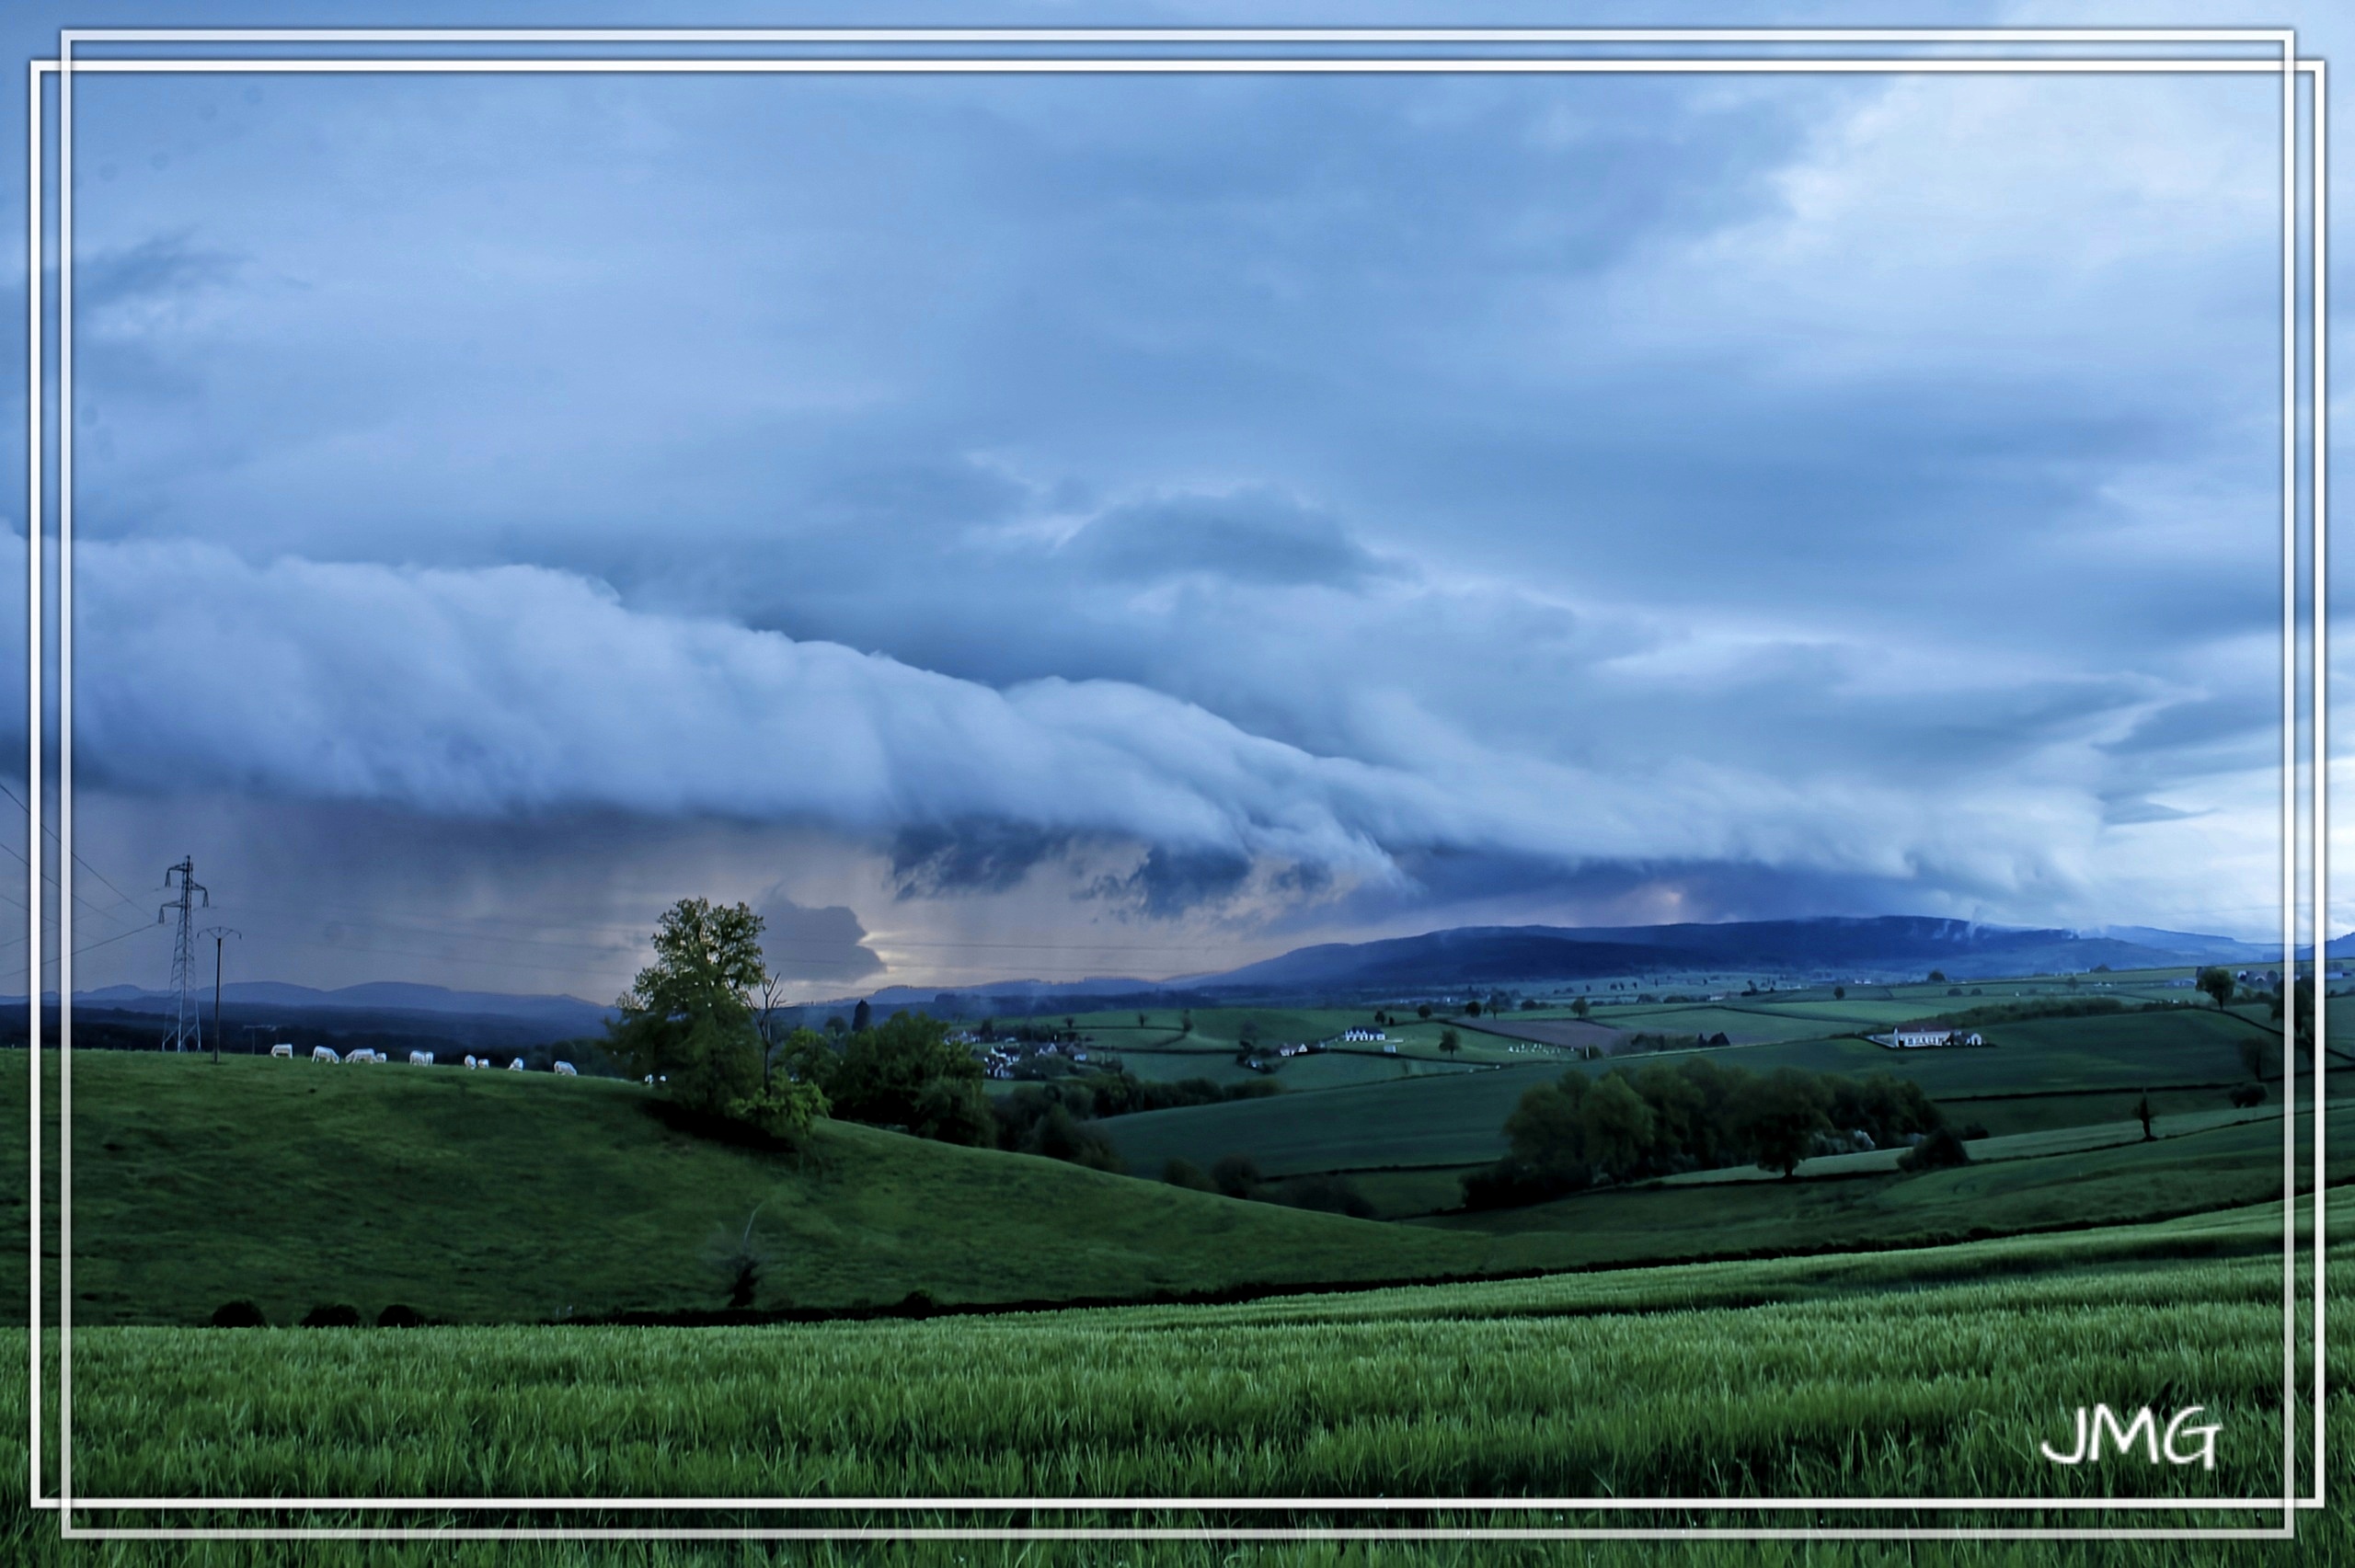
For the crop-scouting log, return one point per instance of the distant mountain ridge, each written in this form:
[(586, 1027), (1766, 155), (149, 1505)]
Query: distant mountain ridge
[(558, 1016), (1455, 958), (1851, 946), (1872, 945)]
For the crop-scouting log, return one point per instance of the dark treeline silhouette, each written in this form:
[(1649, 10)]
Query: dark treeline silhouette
[(1696, 1115)]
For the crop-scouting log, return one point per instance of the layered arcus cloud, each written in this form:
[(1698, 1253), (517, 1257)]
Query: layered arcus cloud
[(518, 688)]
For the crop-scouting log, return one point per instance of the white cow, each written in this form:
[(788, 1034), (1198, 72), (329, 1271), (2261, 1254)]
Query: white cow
[(362, 1054), (515, 1066), (563, 1070), (282, 1049), (473, 1063), (323, 1053), (420, 1058)]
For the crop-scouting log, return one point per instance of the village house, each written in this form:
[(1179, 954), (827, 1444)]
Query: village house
[(1911, 1037)]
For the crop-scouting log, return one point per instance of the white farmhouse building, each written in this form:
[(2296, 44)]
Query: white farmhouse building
[(1910, 1036), (1362, 1036)]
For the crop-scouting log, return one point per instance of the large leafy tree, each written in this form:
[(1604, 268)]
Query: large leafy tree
[(1780, 1119), (2303, 1006), (690, 1019)]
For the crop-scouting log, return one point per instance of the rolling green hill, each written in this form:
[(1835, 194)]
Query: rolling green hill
[(1421, 1121), (483, 1196), (2237, 1163)]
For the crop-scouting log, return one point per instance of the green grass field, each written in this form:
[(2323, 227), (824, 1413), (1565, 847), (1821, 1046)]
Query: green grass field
[(1432, 1121), (2234, 1164), (494, 1196), (1461, 1120), (2072, 1139), (1930, 1373), (486, 1197), (1901, 1359)]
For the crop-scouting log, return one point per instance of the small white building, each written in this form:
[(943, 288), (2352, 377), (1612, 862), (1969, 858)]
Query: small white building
[(1363, 1036), (1916, 1036)]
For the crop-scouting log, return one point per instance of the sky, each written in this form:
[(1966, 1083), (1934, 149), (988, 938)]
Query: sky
[(1029, 527)]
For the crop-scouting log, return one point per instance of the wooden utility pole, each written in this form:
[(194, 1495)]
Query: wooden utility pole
[(218, 933)]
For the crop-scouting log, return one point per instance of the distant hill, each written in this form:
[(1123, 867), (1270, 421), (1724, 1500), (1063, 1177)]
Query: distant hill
[(1876, 946), (489, 1017), (566, 1015), (982, 998), (1887, 944)]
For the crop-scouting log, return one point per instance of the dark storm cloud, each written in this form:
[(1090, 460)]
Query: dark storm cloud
[(1168, 883), (826, 944), (974, 855), (1785, 477)]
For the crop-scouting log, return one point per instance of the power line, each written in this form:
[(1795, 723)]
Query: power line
[(51, 832), (108, 941)]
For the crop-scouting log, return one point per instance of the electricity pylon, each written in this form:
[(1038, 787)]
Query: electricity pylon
[(187, 1030)]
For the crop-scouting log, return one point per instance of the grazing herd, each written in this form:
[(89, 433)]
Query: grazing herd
[(416, 1059)]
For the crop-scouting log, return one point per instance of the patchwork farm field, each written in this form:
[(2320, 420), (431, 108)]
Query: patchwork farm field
[(2020, 1081), (1892, 1375)]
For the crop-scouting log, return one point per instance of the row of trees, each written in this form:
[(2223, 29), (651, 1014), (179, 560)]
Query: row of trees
[(1698, 1115), (1051, 1119), (695, 1018)]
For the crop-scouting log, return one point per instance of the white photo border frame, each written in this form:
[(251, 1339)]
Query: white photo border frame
[(66, 66)]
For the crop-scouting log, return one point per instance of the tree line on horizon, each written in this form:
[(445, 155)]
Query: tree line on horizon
[(1632, 1125)]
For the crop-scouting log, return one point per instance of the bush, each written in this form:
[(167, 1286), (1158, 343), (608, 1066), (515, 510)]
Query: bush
[(238, 1314), (955, 1111), (1186, 1173), (1018, 1117), (1237, 1176), (2042, 1007), (1941, 1151), (332, 1315), (783, 1109), (882, 1074), (1327, 1195), (399, 1315), (1509, 1184), (1060, 1136), (1972, 1132), (2249, 1095)]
